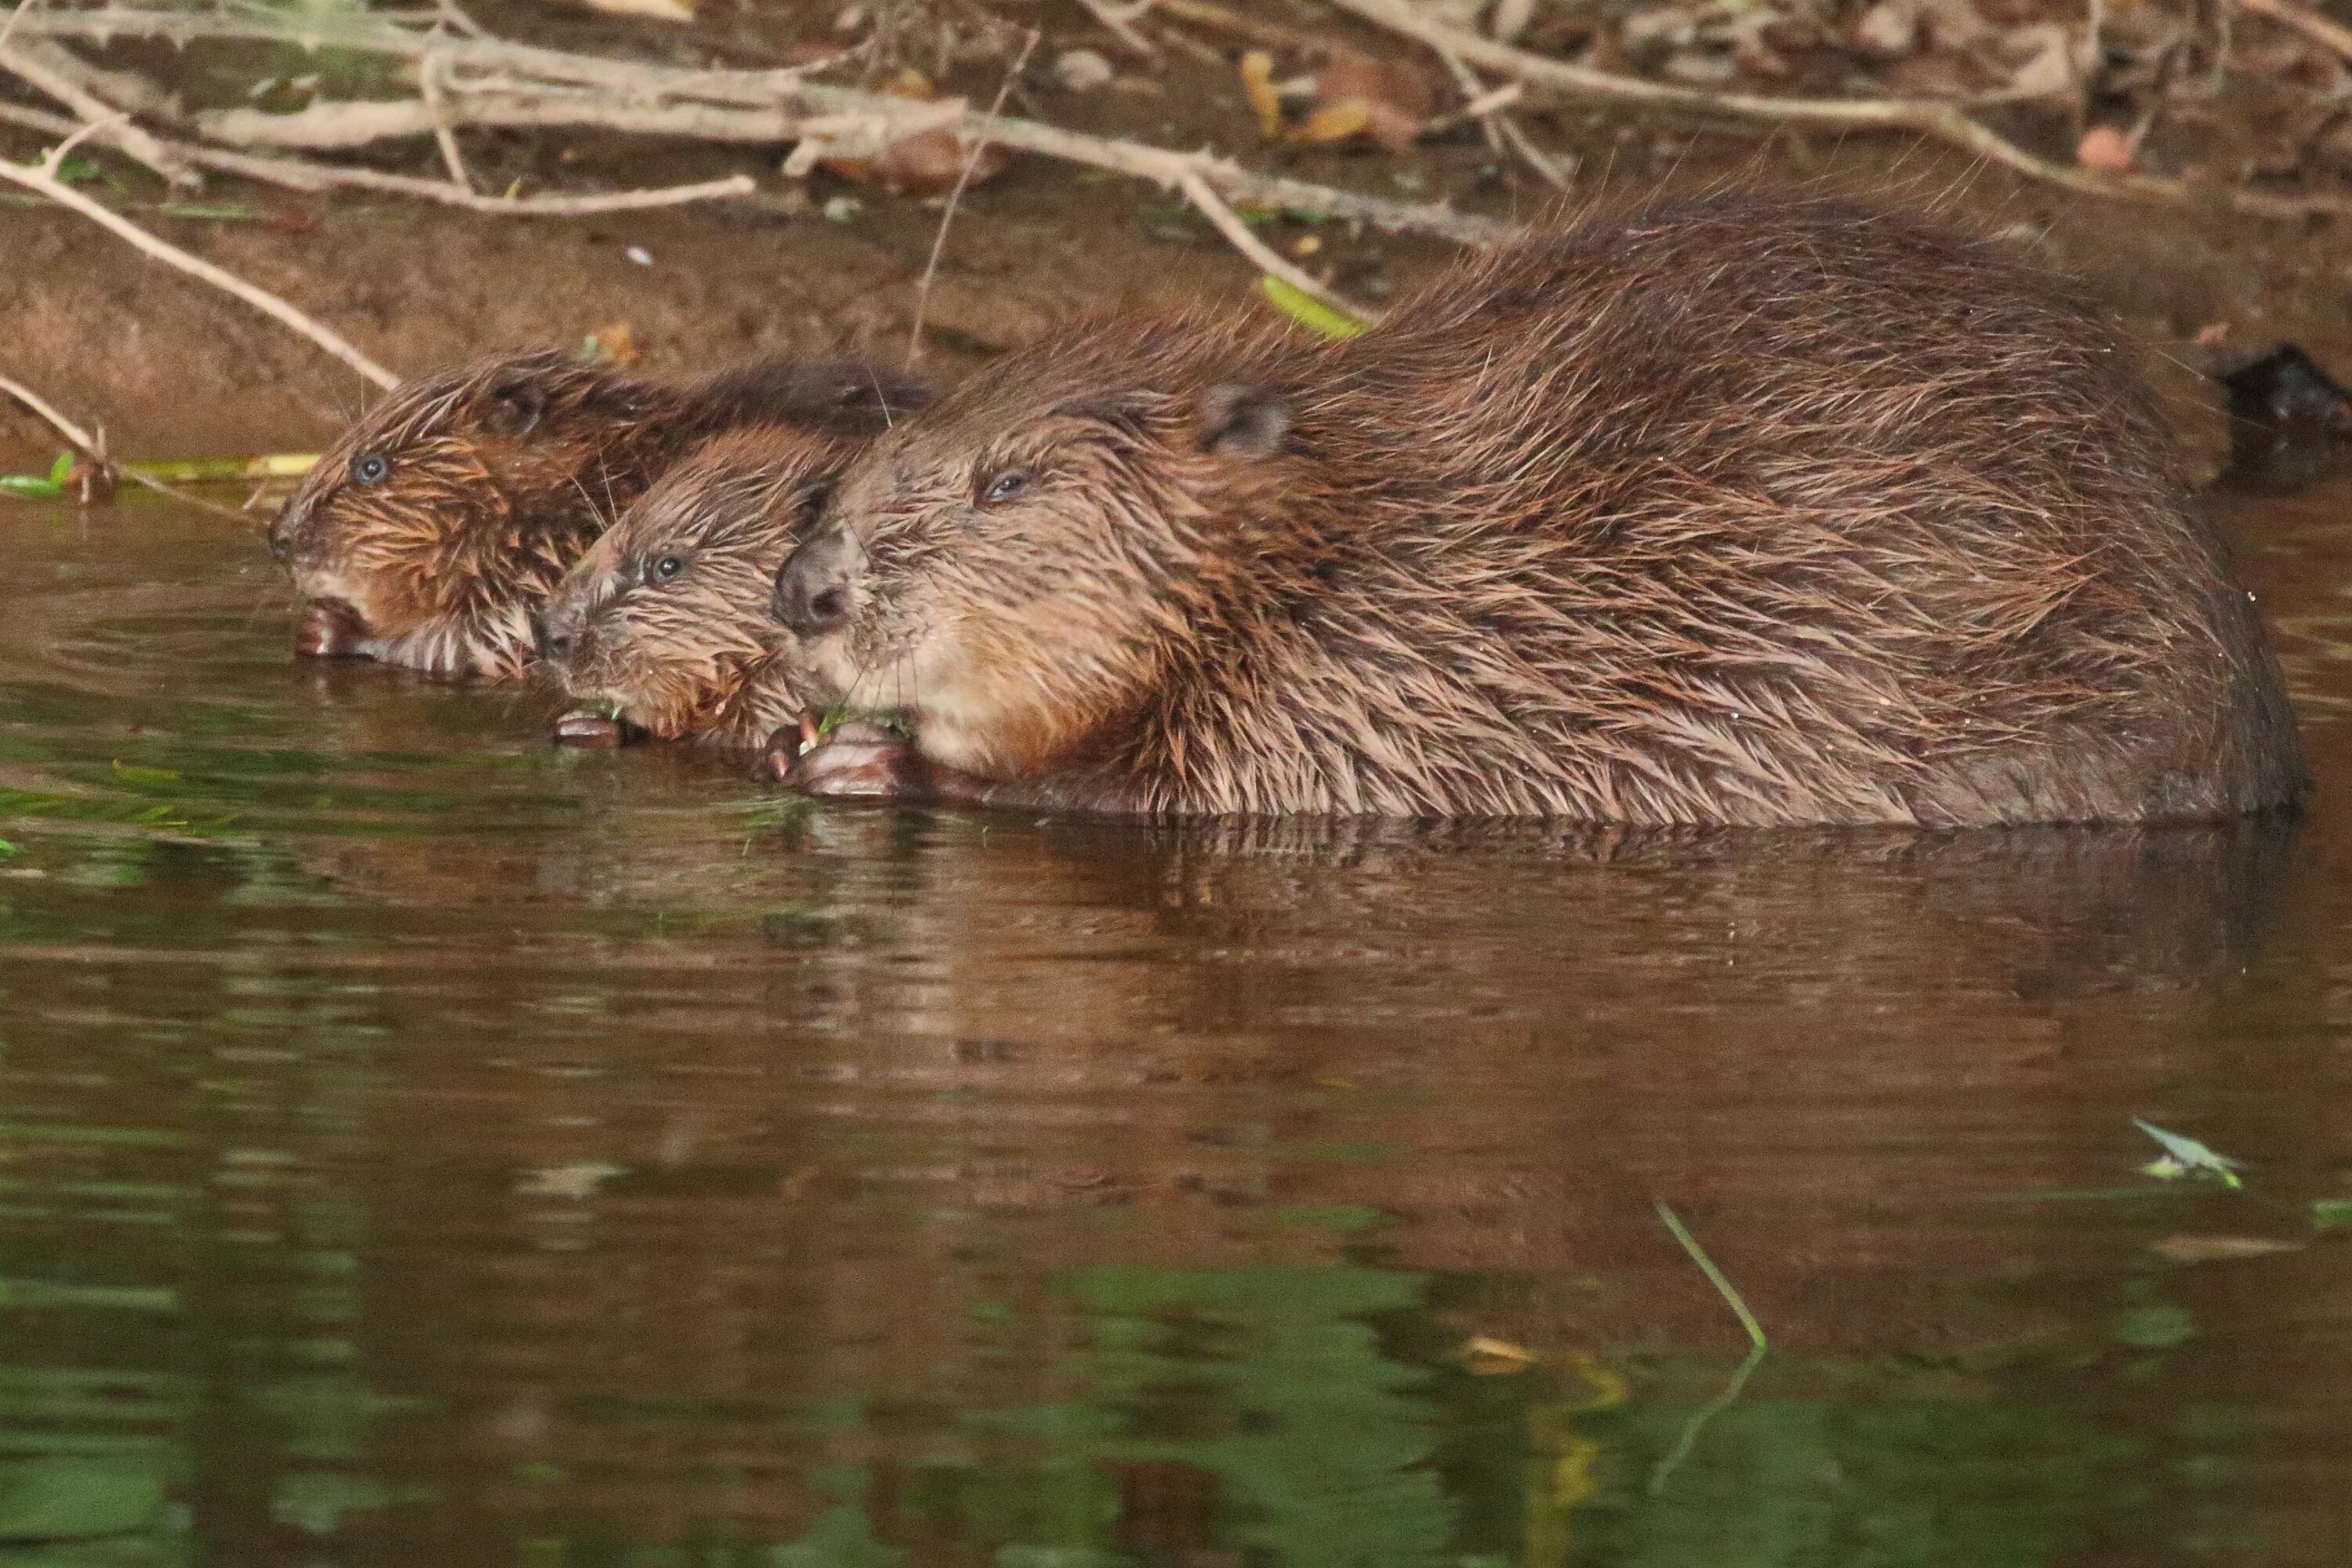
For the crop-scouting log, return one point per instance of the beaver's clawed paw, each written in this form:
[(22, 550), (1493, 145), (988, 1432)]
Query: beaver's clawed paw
[(856, 761), (329, 630)]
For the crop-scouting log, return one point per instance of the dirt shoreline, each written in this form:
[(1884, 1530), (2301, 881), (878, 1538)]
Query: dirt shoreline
[(173, 368)]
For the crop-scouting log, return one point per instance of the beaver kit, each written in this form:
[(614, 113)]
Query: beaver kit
[(1730, 511), (433, 529), (666, 620)]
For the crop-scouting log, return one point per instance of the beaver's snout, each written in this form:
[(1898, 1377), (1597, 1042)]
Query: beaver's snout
[(817, 588), (331, 629)]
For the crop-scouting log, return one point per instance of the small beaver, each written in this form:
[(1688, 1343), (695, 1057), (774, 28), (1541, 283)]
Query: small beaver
[(432, 529), (1730, 511), (667, 618)]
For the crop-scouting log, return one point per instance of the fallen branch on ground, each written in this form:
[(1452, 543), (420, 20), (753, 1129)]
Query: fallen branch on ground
[(32, 65), (93, 448), (1229, 224), (1920, 117), (531, 86), (42, 179), (303, 174)]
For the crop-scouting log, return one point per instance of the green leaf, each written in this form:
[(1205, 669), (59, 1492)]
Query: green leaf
[(9, 851), (62, 469), (2185, 1155), (1309, 311), (2328, 1213)]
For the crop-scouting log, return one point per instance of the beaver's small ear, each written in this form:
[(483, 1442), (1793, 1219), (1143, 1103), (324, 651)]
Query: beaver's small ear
[(1240, 421), (515, 407)]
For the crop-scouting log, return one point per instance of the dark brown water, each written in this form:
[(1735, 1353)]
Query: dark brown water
[(421, 1146)]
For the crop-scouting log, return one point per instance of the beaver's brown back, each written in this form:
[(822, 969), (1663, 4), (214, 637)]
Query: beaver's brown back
[(1731, 512)]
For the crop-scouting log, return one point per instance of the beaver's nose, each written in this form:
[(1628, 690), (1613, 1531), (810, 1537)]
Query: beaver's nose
[(553, 632), (817, 587), (282, 530)]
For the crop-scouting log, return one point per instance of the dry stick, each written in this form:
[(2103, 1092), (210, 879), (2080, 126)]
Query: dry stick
[(428, 82), (963, 178), (302, 174), (343, 125), (1937, 121), (755, 97), (42, 178), (72, 432), (1229, 224), (1501, 130), (15, 15), (2304, 20), (134, 142), (1119, 20), (95, 450)]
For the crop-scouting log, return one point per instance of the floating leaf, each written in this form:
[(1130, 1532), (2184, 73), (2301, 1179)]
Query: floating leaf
[(1309, 311), (75, 1498), (2185, 1156), (2220, 1248), (2329, 1212), (2154, 1328)]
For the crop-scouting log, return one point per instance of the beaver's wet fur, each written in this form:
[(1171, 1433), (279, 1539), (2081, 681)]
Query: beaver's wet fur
[(1729, 512), (431, 531), (667, 619)]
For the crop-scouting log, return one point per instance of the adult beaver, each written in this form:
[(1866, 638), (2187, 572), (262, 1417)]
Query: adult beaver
[(432, 529), (666, 619), (1729, 512)]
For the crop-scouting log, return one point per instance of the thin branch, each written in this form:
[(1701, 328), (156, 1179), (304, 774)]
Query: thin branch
[(1229, 224), (44, 76), (42, 179), (1119, 21), (302, 174), (1921, 117), (1502, 131), (1756, 1346), (74, 433), (428, 82), (2304, 20), (963, 178), (745, 106), (94, 449)]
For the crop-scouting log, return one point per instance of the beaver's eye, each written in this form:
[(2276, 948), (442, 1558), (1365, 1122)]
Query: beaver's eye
[(1005, 485), (664, 568), (371, 468)]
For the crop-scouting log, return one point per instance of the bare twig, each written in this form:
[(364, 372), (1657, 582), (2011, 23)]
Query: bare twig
[(94, 449), (15, 15), (42, 179), (1229, 224), (1502, 131), (29, 64), (428, 82), (1920, 117), (1119, 21), (73, 433), (963, 178), (2304, 20), (302, 174), (744, 106)]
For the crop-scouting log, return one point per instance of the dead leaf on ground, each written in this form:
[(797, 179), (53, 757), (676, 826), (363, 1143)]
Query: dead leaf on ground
[(614, 344), (2220, 1248), (1257, 82), (1388, 101), (657, 10), (2107, 149), (928, 163)]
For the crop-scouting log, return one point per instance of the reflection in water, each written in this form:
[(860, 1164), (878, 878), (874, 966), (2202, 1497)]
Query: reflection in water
[(417, 1145)]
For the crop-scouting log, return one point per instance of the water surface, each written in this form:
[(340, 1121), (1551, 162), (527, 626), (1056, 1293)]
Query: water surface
[(419, 1145)]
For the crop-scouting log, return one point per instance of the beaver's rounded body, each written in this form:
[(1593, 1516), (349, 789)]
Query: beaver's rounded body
[(1730, 513), (667, 618), (433, 528)]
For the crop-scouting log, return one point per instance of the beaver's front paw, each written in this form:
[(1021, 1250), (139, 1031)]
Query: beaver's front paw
[(329, 630), (856, 761)]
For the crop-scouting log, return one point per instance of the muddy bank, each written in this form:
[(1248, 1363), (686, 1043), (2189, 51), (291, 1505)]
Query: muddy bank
[(172, 367)]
